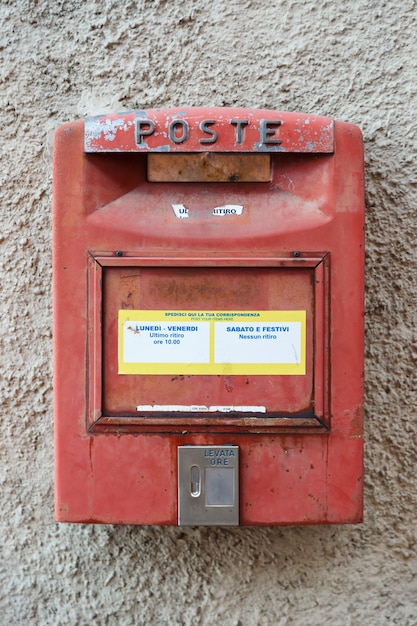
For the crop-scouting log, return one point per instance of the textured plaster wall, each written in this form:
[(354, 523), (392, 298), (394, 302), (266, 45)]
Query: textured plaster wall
[(355, 61)]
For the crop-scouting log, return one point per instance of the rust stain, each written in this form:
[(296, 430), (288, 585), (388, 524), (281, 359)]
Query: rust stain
[(356, 423), (228, 383)]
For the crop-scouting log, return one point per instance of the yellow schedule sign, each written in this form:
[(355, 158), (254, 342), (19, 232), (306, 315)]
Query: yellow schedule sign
[(212, 342)]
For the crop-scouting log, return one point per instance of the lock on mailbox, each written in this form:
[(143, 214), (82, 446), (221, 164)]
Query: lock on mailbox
[(208, 318)]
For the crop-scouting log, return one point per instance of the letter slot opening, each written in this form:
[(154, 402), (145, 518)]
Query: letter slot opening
[(209, 167)]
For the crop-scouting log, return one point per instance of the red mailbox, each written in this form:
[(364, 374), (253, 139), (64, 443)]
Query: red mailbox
[(208, 318)]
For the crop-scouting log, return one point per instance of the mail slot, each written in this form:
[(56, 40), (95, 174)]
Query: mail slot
[(208, 318)]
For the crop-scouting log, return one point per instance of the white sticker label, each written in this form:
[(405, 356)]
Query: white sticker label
[(197, 408), (228, 209), (180, 211)]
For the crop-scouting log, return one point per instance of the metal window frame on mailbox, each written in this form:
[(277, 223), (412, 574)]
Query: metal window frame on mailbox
[(208, 269)]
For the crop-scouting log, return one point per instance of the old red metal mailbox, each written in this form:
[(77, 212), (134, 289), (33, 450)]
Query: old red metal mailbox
[(208, 318)]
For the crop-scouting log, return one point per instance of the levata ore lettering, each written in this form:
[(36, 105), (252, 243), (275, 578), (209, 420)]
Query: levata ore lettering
[(219, 457)]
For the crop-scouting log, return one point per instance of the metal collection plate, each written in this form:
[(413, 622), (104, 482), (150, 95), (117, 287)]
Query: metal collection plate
[(208, 485)]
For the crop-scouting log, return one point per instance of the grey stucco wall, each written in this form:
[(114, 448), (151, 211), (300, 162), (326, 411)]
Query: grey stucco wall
[(353, 61)]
